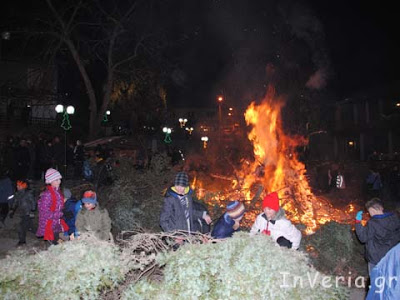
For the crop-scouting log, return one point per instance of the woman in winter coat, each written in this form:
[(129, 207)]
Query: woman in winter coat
[(273, 222), (50, 205), (92, 219), (24, 205)]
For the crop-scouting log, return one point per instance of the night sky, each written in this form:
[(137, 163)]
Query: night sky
[(227, 46), (357, 40)]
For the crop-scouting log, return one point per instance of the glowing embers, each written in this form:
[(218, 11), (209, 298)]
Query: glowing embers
[(276, 167)]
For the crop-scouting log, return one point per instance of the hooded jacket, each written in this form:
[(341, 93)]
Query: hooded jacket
[(279, 227), (381, 233), (172, 215), (96, 221)]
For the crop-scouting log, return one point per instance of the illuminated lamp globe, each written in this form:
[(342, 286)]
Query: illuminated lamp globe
[(70, 110), (59, 108)]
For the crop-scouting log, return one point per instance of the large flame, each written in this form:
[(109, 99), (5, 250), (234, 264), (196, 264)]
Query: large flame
[(276, 167)]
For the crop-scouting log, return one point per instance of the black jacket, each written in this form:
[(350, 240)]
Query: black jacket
[(24, 202), (172, 215), (380, 235)]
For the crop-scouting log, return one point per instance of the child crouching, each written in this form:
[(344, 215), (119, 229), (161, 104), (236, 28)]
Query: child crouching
[(93, 219), (273, 222)]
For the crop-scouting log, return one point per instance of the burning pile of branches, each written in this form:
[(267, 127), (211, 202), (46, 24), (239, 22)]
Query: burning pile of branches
[(275, 167)]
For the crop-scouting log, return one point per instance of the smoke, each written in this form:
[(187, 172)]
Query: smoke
[(318, 80), (307, 27)]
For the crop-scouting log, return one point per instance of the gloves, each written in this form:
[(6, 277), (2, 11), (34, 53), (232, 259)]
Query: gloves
[(359, 216)]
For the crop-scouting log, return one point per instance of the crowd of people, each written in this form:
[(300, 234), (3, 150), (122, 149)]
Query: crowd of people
[(29, 158), (62, 217)]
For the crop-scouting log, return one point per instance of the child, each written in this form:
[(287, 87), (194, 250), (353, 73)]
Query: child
[(72, 206), (229, 222), (91, 218), (178, 212), (381, 233), (51, 204), (25, 204), (273, 222)]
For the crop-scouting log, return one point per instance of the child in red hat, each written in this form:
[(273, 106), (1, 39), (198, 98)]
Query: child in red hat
[(273, 222)]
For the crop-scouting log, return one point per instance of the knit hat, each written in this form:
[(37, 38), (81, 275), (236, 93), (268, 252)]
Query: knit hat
[(67, 193), (271, 201), (52, 175), (89, 197), (181, 179), (22, 184), (235, 209)]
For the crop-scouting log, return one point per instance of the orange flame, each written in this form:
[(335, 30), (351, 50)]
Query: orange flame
[(277, 168)]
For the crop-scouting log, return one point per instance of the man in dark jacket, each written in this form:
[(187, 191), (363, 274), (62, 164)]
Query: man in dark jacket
[(381, 233), (178, 212)]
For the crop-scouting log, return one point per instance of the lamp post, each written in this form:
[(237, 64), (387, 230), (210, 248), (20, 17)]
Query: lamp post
[(182, 122), (205, 140), (189, 129), (106, 114), (66, 125), (167, 132), (220, 100)]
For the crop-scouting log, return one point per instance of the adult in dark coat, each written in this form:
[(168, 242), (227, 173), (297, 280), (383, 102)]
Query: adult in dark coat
[(22, 160), (178, 212), (381, 233), (59, 154)]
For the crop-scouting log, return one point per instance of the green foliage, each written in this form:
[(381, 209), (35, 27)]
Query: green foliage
[(136, 198), (334, 248), (73, 270), (243, 267)]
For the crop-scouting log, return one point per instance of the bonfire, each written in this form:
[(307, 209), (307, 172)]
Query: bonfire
[(275, 167)]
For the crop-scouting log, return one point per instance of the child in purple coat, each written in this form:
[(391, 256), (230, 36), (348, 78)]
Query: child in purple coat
[(50, 205)]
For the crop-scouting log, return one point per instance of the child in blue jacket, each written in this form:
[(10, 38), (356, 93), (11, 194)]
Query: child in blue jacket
[(229, 222)]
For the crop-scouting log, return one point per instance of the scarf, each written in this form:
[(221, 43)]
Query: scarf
[(48, 231)]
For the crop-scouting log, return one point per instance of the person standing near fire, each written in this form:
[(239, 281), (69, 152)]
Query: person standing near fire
[(178, 212), (272, 222), (381, 233)]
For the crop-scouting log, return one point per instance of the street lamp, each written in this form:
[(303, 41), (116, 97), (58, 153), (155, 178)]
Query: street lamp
[(106, 114), (220, 100), (205, 140), (167, 132), (189, 130), (182, 122), (66, 125)]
